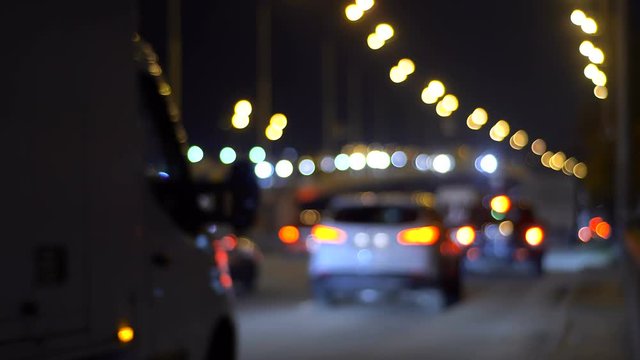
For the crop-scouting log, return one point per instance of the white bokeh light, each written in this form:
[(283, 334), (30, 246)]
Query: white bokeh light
[(327, 164), (195, 154), (357, 161), (487, 163), (342, 162), (227, 155), (421, 162), (257, 154), (377, 159), (284, 168), (264, 170), (306, 167), (443, 163), (399, 159)]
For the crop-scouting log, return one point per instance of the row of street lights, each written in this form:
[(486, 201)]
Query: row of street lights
[(446, 104), (595, 55), (240, 120)]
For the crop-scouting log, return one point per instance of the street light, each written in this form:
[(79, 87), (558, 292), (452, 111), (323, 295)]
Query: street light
[(374, 41), (353, 12), (589, 26), (384, 31), (578, 17)]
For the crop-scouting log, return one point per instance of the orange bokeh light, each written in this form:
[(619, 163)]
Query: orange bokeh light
[(289, 234), (593, 223), (603, 229), (534, 236), (465, 235), (501, 204)]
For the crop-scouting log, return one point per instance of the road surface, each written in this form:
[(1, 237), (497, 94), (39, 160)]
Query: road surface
[(559, 316)]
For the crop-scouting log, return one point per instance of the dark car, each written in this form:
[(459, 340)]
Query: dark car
[(244, 259), (499, 235)]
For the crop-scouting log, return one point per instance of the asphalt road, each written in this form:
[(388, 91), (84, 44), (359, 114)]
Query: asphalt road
[(558, 316)]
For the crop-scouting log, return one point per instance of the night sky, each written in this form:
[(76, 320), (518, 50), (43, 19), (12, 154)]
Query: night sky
[(517, 59)]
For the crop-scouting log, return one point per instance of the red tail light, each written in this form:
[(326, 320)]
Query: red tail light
[(289, 234), (465, 235), (427, 235), (328, 234), (534, 236)]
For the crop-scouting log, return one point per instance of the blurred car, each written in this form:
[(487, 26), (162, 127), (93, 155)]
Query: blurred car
[(498, 236), (244, 261), (372, 244)]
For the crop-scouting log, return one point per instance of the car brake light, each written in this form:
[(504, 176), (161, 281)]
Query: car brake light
[(289, 234), (426, 235), (534, 236), (328, 234), (465, 235)]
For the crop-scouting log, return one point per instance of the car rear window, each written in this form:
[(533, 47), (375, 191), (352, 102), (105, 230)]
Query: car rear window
[(376, 214)]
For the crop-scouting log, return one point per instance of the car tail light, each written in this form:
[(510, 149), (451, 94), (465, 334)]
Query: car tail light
[(328, 234), (465, 235), (289, 234), (427, 235), (534, 236)]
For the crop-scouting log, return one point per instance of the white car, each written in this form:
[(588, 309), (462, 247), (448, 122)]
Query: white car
[(382, 243)]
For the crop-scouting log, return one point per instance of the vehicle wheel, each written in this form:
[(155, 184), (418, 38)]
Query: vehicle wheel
[(538, 269), (452, 287), (223, 342)]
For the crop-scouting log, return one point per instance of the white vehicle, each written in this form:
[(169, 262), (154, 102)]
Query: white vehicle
[(372, 244), (99, 258)]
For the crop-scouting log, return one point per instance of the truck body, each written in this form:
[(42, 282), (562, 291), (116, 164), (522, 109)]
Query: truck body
[(94, 264)]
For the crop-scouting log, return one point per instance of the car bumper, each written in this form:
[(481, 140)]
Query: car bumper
[(347, 284)]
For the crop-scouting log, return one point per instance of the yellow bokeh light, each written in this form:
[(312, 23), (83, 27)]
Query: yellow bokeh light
[(428, 97), (471, 124), (440, 110), (239, 121), (273, 133), (500, 130), (600, 79), (450, 102), (479, 116), (353, 12), (580, 170), (596, 56), (365, 5), (125, 334), (397, 75), (538, 147), (590, 71), (374, 41), (578, 17), (406, 66), (514, 145), (589, 26), (278, 121), (506, 228), (557, 160), (164, 89), (436, 87), (243, 107), (546, 158), (155, 69), (384, 31), (601, 92), (520, 139), (586, 47), (568, 165)]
